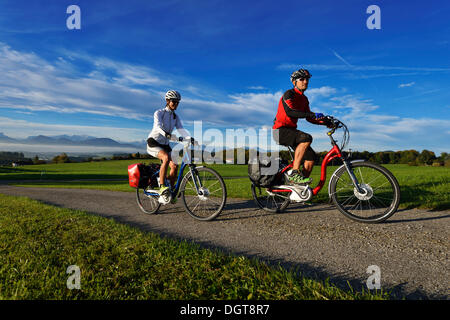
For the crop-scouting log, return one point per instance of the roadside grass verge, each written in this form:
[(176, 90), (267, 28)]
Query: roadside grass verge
[(38, 242), (421, 187)]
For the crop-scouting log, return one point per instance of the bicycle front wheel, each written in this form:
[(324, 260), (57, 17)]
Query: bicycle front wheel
[(268, 201), (147, 203), (208, 202), (377, 199)]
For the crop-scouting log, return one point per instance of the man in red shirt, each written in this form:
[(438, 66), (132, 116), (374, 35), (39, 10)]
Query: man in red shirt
[(292, 106)]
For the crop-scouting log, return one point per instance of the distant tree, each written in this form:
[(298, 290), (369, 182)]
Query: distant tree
[(62, 158), (408, 156), (444, 156), (36, 160), (426, 157), (394, 157), (380, 157)]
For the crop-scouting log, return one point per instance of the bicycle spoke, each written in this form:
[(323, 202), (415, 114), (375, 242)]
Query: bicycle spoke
[(345, 202), (212, 200), (213, 192), (213, 184), (379, 201)]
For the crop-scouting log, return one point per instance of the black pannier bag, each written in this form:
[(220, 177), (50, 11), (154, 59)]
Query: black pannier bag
[(263, 172)]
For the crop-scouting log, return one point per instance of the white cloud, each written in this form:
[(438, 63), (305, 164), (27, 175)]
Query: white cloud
[(31, 83), (22, 129), (409, 84), (256, 88), (106, 87)]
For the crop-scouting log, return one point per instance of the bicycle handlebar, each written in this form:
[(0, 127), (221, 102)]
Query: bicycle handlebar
[(336, 124), (190, 140)]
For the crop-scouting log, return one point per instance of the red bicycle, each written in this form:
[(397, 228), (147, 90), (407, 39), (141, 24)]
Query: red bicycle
[(361, 190)]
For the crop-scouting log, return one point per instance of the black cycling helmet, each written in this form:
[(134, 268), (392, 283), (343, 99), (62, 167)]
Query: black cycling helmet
[(300, 74)]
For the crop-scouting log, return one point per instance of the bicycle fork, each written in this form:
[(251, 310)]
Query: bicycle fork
[(197, 181), (348, 167)]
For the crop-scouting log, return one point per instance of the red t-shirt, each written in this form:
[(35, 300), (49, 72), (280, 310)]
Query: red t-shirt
[(297, 104)]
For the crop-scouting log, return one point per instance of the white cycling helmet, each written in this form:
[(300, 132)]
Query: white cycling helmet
[(173, 95)]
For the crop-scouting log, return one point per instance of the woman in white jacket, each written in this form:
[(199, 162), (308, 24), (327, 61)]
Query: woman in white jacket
[(165, 120)]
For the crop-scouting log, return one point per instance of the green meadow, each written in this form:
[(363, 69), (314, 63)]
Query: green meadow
[(38, 243), (421, 186)]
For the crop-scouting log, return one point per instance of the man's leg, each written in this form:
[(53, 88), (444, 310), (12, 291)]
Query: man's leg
[(302, 151), (307, 168), (299, 153)]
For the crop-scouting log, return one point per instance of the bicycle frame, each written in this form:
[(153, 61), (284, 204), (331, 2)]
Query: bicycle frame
[(334, 153), (186, 161)]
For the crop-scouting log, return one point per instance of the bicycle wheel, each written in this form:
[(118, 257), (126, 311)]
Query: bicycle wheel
[(268, 201), (209, 204), (380, 194), (148, 204)]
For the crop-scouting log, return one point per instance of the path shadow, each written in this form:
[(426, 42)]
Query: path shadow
[(244, 206), (340, 280), (416, 219)]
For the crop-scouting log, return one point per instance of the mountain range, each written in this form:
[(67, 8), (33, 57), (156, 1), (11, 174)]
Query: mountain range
[(74, 140)]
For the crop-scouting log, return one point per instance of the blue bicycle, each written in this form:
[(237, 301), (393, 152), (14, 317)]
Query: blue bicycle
[(202, 190)]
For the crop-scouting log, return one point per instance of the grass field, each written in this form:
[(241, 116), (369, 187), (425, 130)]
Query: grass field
[(39, 242), (421, 187)]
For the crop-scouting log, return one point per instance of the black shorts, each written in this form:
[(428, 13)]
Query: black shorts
[(291, 137), (153, 143)]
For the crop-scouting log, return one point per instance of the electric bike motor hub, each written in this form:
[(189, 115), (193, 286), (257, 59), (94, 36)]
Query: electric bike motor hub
[(366, 194)]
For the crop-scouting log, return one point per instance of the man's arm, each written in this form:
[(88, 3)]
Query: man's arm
[(296, 113), (291, 112)]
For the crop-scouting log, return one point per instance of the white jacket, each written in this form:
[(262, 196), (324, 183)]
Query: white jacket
[(165, 120)]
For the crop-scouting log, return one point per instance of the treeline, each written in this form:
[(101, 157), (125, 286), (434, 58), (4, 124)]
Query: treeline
[(409, 157), (241, 156), (7, 158), (131, 156), (11, 156), (64, 158)]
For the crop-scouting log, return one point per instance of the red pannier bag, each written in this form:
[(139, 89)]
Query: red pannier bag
[(134, 174)]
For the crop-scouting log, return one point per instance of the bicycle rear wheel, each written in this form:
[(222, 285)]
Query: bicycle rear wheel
[(379, 197), (147, 203), (213, 193), (268, 201)]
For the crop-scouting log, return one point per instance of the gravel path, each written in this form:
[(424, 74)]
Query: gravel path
[(411, 248)]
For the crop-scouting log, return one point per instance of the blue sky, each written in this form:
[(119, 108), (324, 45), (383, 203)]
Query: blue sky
[(231, 61)]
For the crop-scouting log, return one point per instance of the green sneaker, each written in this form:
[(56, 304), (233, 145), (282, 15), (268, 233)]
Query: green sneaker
[(296, 177), (163, 189)]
